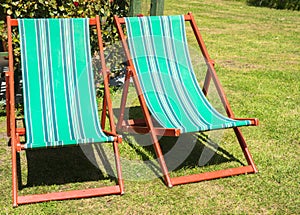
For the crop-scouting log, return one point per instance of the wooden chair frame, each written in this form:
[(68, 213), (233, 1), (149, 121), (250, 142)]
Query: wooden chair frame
[(146, 125), (14, 133)]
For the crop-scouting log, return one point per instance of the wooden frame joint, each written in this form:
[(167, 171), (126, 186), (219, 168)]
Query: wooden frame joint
[(130, 71), (254, 121)]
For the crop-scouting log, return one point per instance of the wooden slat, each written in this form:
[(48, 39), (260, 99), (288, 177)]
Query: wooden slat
[(76, 194), (14, 22), (173, 132), (212, 175)]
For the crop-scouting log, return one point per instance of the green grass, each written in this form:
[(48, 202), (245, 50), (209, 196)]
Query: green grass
[(257, 52)]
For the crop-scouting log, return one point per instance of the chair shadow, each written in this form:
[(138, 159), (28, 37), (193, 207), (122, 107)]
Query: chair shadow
[(134, 112), (203, 152), (185, 152), (58, 166)]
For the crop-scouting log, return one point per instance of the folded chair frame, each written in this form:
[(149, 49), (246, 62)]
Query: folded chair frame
[(14, 133), (146, 125)]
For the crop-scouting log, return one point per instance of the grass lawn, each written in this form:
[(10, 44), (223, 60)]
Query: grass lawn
[(257, 57)]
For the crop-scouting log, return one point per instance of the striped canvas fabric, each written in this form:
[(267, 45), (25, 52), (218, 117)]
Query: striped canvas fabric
[(58, 84), (159, 50)]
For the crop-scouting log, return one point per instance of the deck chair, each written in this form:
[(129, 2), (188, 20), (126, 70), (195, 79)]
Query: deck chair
[(60, 107), (160, 66)]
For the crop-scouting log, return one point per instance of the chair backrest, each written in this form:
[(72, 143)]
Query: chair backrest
[(160, 54), (58, 84)]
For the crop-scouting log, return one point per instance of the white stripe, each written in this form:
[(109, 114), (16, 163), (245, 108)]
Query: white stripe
[(62, 30), (160, 88), (189, 112), (39, 78), (52, 83), (77, 111), (179, 88), (46, 71), (160, 97), (70, 80)]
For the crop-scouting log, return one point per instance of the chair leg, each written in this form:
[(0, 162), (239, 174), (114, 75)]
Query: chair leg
[(123, 101), (103, 115), (118, 167), (245, 149), (7, 106), (161, 160), (14, 178), (19, 170), (206, 83)]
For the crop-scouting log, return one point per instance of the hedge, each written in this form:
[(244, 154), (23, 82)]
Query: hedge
[(70, 8), (277, 4)]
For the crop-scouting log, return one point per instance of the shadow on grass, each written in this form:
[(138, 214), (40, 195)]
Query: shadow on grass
[(59, 166), (185, 152), (205, 149), (204, 145)]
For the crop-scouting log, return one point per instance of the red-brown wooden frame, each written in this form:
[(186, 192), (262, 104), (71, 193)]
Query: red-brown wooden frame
[(14, 133), (146, 125)]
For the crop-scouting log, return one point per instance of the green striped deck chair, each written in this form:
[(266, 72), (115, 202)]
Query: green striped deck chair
[(60, 106), (160, 65)]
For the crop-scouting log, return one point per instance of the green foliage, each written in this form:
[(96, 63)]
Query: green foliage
[(67, 8), (1, 25), (277, 4)]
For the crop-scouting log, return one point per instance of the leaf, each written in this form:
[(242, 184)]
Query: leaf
[(9, 12), (5, 6), (15, 3)]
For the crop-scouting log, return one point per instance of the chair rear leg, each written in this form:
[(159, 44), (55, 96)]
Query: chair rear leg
[(245, 149), (7, 106), (118, 167), (206, 83), (14, 177), (124, 99), (103, 114), (19, 171), (161, 161)]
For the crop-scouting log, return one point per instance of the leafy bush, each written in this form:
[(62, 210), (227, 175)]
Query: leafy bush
[(68, 8), (277, 4)]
